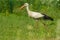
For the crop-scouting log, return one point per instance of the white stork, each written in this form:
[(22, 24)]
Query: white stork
[(36, 15)]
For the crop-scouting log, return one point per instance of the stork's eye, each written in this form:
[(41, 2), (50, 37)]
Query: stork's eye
[(26, 4)]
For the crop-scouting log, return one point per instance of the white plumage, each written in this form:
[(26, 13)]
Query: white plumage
[(35, 15)]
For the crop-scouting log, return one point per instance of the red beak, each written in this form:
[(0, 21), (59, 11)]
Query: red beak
[(22, 7)]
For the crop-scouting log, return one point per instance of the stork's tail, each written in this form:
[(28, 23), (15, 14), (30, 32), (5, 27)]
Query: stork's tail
[(47, 17)]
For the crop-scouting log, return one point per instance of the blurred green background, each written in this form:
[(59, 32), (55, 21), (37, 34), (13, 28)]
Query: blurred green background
[(16, 25)]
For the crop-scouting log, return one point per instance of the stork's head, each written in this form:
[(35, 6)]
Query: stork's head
[(25, 5)]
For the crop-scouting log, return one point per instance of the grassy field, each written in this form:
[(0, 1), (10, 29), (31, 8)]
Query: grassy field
[(18, 26)]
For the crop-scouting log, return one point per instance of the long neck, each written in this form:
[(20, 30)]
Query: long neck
[(28, 9)]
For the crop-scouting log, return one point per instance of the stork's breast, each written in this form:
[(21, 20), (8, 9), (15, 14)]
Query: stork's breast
[(37, 15)]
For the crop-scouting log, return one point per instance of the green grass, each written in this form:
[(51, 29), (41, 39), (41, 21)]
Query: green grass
[(15, 27), (18, 26)]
